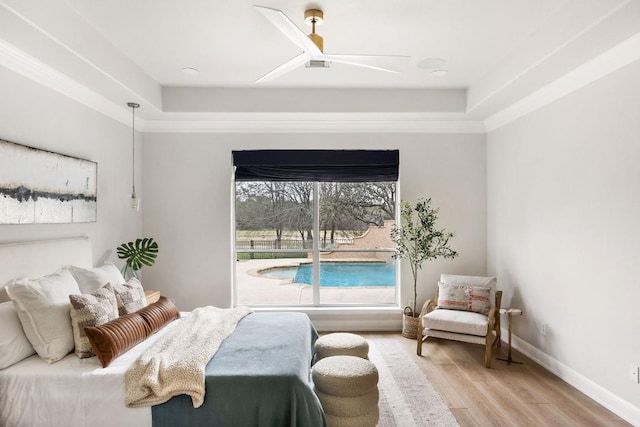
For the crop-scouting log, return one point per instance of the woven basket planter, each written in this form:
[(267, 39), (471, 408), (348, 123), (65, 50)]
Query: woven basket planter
[(409, 326)]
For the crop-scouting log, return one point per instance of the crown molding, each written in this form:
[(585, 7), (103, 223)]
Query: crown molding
[(335, 125), (619, 56), (36, 70), (612, 60)]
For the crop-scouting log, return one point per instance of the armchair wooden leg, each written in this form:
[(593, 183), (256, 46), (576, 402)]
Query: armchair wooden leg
[(419, 338)]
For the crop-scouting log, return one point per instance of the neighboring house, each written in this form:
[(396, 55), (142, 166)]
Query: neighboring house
[(543, 194), (376, 237)]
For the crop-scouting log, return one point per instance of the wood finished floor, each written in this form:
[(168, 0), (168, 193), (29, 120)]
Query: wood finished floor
[(505, 395)]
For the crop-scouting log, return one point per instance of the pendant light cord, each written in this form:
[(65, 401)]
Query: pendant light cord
[(133, 106), (133, 149)]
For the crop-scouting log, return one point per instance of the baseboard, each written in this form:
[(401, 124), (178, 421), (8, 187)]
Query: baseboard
[(357, 326), (353, 319), (612, 402)]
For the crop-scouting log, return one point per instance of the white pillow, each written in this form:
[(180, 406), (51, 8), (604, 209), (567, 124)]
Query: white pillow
[(91, 279), (43, 309), (14, 345)]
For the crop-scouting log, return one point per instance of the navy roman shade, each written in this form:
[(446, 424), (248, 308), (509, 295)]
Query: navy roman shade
[(316, 165)]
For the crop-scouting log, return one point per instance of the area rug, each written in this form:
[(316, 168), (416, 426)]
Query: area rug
[(407, 398)]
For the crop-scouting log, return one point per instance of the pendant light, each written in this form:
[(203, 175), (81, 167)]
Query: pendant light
[(135, 201)]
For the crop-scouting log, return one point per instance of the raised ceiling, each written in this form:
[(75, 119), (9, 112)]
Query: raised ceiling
[(496, 51)]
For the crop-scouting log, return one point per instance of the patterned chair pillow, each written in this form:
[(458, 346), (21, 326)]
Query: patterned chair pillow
[(463, 297)]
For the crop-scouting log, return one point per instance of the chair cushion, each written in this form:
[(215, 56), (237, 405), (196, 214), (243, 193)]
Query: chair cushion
[(489, 282), (461, 322), (463, 297)]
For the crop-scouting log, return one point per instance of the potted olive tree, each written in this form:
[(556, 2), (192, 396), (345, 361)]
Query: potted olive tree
[(418, 240), (137, 254)]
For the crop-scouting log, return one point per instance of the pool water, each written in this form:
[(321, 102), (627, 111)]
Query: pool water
[(340, 274)]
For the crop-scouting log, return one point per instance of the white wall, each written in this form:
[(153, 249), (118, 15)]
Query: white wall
[(187, 206), (33, 115), (563, 201)]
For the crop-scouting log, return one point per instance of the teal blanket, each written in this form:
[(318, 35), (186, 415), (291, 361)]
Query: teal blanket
[(259, 377)]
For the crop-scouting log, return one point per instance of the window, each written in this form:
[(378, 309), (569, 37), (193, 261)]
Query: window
[(315, 233)]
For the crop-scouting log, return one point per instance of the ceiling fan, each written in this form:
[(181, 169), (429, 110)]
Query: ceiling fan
[(312, 47)]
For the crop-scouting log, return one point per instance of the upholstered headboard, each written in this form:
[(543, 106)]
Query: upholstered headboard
[(36, 259)]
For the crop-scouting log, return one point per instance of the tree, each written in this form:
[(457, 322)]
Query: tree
[(418, 240), (370, 203), (270, 199), (288, 206), (300, 216)]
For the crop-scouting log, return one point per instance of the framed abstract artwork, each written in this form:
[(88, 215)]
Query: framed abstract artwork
[(41, 187)]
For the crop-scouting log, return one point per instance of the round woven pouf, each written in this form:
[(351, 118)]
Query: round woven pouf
[(347, 387), (341, 344), (352, 406), (344, 376)]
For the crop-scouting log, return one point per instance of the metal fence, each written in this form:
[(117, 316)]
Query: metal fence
[(274, 244), (245, 248)]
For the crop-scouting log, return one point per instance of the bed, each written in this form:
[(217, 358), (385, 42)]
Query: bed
[(259, 375)]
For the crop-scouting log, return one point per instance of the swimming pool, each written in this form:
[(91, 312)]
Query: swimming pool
[(340, 274)]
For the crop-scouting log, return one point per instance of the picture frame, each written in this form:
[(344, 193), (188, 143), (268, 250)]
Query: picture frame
[(42, 187)]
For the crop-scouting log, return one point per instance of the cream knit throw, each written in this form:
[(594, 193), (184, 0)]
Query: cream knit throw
[(175, 363)]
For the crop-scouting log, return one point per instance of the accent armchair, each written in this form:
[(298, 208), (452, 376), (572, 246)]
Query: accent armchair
[(465, 308)]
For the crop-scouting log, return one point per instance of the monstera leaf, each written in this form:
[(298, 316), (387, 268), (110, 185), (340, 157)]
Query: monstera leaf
[(142, 252)]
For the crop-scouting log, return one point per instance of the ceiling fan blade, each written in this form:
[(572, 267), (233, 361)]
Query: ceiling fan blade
[(285, 68), (289, 29), (390, 63)]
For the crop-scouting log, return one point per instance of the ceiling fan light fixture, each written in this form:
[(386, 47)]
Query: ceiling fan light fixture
[(316, 63), (311, 47)]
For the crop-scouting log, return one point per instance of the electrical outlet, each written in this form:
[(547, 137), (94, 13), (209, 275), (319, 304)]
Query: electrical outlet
[(543, 328), (635, 375)]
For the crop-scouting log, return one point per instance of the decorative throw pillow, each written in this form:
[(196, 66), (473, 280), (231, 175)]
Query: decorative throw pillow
[(463, 297), (114, 338), (92, 279), (14, 345), (479, 300), (486, 282), (90, 310), (129, 296), (158, 314), (43, 309)]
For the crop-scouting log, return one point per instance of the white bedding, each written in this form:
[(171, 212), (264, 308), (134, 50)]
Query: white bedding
[(71, 392)]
